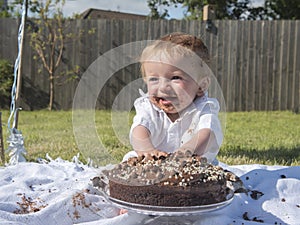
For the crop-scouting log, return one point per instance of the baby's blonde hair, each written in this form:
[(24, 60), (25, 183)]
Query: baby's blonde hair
[(179, 45)]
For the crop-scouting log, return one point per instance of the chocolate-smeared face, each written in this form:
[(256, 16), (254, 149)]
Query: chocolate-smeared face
[(169, 88)]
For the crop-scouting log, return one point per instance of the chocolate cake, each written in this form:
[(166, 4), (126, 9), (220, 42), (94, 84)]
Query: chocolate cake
[(180, 179)]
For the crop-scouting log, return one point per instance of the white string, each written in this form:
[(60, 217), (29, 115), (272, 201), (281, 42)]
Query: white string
[(13, 110), (16, 142)]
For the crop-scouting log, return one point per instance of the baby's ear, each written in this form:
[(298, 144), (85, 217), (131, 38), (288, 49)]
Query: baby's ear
[(200, 92), (204, 84)]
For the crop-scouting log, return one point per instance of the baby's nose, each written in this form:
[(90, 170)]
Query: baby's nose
[(164, 85)]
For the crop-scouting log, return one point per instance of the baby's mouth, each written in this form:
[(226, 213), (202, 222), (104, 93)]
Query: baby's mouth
[(166, 104), (162, 101)]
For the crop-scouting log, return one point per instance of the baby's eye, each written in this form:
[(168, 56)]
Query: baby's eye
[(152, 79), (176, 78)]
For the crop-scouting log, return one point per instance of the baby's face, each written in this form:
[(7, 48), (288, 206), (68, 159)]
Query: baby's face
[(169, 87)]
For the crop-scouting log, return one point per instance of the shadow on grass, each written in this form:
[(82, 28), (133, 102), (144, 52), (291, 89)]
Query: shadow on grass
[(279, 155)]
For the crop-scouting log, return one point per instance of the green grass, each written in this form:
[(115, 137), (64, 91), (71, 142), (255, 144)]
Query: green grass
[(262, 137), (250, 137)]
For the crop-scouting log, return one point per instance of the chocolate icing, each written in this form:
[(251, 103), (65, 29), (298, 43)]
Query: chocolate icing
[(180, 179), (177, 169)]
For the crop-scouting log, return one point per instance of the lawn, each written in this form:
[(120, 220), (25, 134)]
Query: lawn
[(250, 137)]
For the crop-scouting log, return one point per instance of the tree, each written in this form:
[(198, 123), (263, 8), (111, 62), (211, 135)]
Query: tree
[(6, 81), (155, 5), (224, 9), (283, 9), (48, 37), (229, 9), (4, 9)]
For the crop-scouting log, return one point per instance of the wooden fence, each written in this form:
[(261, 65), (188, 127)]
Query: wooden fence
[(256, 63)]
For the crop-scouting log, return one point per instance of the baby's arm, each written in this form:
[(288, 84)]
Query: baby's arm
[(140, 139), (200, 142), (141, 142)]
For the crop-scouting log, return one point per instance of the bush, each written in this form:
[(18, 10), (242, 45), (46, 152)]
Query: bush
[(6, 81)]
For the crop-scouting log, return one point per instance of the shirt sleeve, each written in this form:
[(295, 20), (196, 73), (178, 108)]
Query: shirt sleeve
[(212, 122), (142, 116), (209, 119)]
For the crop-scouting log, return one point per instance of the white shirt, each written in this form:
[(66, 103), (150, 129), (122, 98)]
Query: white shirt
[(168, 136)]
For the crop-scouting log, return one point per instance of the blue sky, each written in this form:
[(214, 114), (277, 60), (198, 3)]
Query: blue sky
[(128, 6)]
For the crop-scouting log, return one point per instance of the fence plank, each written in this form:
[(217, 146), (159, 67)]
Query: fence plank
[(257, 74), (283, 65), (296, 70), (262, 64)]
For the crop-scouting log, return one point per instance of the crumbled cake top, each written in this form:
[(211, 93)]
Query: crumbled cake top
[(177, 169)]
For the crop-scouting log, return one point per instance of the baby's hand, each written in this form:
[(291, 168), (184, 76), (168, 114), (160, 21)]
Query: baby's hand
[(184, 152), (153, 154), (181, 154)]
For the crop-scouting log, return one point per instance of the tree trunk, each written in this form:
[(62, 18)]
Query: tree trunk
[(51, 92)]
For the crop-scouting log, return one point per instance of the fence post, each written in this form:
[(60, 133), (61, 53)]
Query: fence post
[(2, 156)]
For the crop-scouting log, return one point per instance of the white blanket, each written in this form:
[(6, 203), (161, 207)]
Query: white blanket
[(60, 192)]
